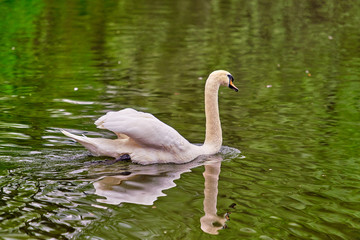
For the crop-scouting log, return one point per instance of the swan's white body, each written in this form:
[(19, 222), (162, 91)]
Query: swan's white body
[(147, 140)]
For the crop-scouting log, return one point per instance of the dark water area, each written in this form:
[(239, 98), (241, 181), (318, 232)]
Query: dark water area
[(289, 167)]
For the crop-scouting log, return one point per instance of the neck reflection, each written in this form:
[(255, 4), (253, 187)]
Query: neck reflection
[(211, 223)]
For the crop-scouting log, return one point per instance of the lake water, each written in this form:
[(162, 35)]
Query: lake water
[(290, 165)]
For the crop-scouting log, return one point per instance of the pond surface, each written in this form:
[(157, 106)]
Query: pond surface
[(290, 165)]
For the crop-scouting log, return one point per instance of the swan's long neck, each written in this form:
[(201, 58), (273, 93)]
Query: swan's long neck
[(213, 137)]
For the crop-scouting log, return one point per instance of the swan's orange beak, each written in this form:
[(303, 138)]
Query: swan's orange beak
[(232, 86)]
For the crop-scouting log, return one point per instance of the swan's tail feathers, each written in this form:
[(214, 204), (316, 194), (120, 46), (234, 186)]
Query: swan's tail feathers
[(75, 137), (90, 143)]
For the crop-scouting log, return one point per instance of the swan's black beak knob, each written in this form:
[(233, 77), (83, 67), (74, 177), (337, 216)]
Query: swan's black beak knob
[(231, 83)]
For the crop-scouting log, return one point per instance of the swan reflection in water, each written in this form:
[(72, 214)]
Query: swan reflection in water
[(143, 184), (211, 222)]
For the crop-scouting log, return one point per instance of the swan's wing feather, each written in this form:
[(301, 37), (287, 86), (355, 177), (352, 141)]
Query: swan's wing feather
[(142, 127)]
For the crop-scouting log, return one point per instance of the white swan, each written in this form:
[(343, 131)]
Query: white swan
[(147, 140)]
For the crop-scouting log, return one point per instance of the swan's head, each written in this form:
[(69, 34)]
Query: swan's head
[(224, 78)]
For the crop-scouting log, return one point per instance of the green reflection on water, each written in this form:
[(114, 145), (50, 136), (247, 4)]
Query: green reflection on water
[(296, 117)]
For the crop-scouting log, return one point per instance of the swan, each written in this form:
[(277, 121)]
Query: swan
[(146, 140)]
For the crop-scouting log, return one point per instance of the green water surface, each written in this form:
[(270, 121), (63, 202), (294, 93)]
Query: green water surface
[(295, 119)]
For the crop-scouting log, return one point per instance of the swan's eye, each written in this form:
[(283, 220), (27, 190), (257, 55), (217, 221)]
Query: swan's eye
[(230, 77)]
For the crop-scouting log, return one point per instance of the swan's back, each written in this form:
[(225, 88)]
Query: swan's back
[(143, 128)]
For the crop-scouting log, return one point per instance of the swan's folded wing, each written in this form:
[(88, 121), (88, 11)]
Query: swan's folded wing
[(143, 128)]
